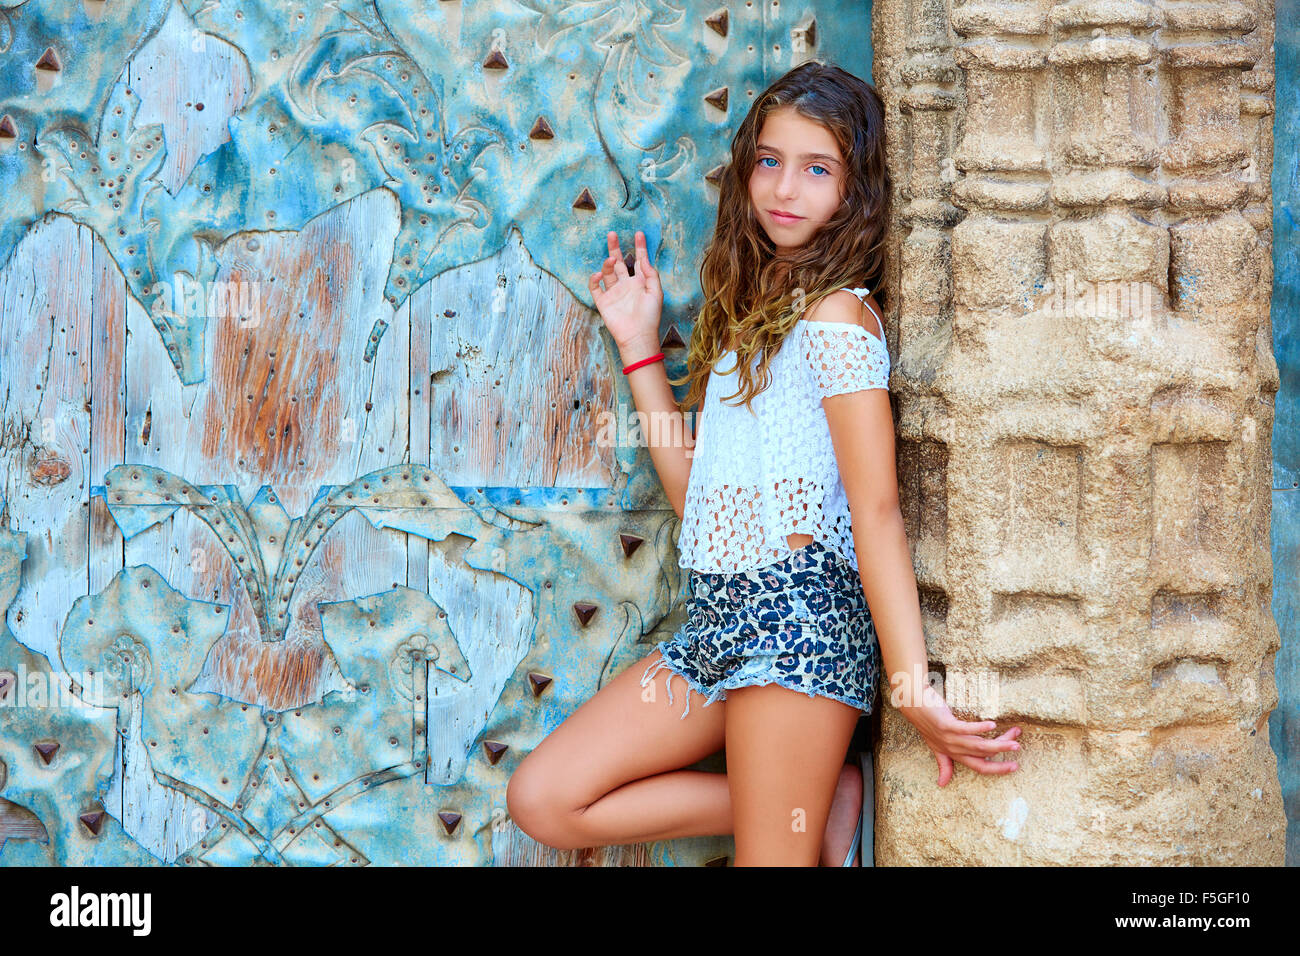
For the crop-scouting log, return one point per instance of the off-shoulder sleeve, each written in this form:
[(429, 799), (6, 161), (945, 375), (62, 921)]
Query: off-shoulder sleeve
[(842, 357)]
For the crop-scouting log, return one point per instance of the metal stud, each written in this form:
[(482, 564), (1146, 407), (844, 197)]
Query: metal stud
[(585, 200), (808, 34), (7, 679), (718, 98), (718, 22), (94, 821), (7, 128), (539, 682), (541, 129), (496, 61), (673, 340), (584, 611), (494, 750), (630, 543), (47, 750), (714, 175), (49, 61), (450, 820)]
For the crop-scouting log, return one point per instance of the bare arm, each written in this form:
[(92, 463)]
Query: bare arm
[(630, 307), (861, 425), (663, 426)]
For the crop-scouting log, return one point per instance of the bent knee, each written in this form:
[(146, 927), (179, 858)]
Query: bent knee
[(541, 810)]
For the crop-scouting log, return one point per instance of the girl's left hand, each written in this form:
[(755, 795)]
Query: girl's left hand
[(630, 305), (951, 738)]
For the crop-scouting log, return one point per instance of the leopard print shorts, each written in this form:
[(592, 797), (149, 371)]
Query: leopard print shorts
[(801, 623)]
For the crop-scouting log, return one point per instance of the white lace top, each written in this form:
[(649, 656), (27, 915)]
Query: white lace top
[(759, 476)]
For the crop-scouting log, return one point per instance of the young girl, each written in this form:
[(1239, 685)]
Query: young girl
[(791, 525)]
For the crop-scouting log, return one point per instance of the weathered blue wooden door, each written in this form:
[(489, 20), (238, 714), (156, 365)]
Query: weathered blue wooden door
[(320, 505)]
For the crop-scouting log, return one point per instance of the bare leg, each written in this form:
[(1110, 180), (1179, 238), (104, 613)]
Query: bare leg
[(785, 752), (846, 808), (610, 773)]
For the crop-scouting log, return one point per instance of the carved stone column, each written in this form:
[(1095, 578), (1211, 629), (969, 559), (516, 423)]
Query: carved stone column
[(1085, 383)]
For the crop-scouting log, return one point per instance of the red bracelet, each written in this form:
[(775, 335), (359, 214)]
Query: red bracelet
[(644, 361)]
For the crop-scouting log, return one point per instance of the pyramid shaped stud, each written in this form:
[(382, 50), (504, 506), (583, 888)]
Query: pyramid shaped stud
[(584, 611), (539, 682), (718, 98), (49, 61), (494, 749), (47, 750), (541, 130), (673, 340), (805, 34), (630, 543), (718, 22), (450, 820), (496, 61), (585, 200), (714, 175), (94, 821)]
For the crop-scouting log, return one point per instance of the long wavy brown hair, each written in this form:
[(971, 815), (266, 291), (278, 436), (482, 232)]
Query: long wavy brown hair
[(751, 293)]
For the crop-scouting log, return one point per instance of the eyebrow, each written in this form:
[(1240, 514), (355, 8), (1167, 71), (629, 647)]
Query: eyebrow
[(824, 156)]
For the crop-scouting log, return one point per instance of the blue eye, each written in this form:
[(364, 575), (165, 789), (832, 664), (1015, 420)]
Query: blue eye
[(827, 171), (763, 159)]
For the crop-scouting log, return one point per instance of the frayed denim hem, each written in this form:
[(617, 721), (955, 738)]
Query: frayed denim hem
[(719, 691), (691, 683), (732, 683)]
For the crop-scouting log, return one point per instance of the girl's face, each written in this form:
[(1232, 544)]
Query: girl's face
[(798, 170)]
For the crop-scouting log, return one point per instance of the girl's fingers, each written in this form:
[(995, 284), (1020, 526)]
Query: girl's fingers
[(643, 261), (970, 726), (615, 251), (985, 766), (979, 746), (621, 267)]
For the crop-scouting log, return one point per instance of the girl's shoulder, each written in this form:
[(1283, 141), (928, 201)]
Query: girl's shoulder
[(848, 306)]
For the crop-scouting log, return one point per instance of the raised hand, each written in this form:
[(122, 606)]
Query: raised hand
[(951, 738), (629, 304)]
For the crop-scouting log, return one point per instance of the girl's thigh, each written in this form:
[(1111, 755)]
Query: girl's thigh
[(623, 733), (784, 754)]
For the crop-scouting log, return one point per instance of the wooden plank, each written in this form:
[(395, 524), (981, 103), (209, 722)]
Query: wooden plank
[(45, 299), (520, 377), (109, 300)]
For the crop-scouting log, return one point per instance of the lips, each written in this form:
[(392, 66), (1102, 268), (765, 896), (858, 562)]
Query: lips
[(783, 217)]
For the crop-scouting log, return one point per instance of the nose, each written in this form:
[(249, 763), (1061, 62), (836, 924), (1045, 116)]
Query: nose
[(785, 184)]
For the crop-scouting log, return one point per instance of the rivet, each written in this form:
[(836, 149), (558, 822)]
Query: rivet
[(494, 750), (539, 682)]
